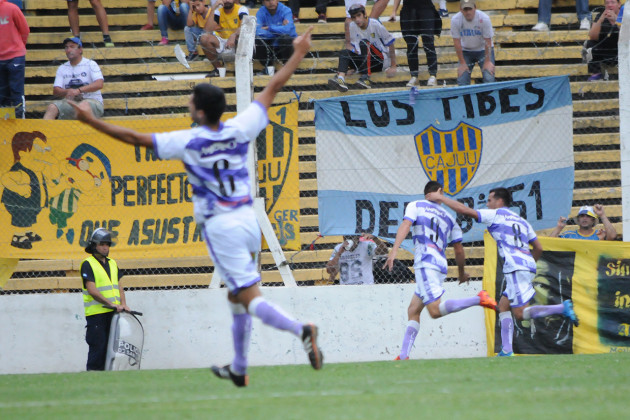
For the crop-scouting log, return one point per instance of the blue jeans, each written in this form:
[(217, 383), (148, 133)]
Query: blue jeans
[(192, 34), (472, 57), (544, 10), (168, 19), (12, 84)]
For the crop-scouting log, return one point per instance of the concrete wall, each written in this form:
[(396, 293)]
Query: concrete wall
[(191, 328)]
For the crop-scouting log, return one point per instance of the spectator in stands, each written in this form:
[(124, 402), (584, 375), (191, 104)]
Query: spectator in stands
[(472, 37), (586, 221), (150, 15), (603, 39), (352, 259), (101, 17), (18, 3), (100, 287), (320, 8), (544, 15), (13, 32), (419, 18), (222, 31), (377, 10), (79, 79), (171, 14), (198, 15), (371, 49), (275, 32)]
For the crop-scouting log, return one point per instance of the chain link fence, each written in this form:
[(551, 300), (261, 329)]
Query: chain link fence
[(90, 181)]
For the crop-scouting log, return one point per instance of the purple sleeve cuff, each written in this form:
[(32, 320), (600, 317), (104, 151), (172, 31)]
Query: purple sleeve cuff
[(155, 146)]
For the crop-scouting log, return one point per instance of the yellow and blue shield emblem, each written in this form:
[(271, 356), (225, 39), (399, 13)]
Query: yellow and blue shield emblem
[(450, 157)]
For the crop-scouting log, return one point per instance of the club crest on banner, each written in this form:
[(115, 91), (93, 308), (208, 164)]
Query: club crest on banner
[(275, 146), (450, 157)]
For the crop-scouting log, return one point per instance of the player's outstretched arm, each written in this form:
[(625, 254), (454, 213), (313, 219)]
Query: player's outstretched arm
[(124, 134), (403, 230), (460, 259), (301, 45), (455, 205), (537, 249)]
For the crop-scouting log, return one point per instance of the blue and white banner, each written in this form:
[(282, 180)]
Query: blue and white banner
[(376, 152)]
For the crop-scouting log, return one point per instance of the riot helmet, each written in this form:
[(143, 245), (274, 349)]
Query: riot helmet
[(98, 236)]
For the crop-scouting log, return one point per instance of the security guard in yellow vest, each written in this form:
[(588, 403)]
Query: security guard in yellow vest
[(100, 287)]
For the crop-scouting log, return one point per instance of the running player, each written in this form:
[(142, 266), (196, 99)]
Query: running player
[(215, 156), (433, 229), (513, 235)]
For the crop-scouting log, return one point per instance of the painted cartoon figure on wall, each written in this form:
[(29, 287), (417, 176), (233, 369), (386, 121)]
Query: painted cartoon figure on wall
[(87, 168), (26, 185)]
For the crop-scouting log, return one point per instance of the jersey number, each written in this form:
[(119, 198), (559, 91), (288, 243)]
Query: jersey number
[(221, 165), (518, 241)]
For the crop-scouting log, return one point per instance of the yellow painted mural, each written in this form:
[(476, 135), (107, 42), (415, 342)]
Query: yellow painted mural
[(60, 180)]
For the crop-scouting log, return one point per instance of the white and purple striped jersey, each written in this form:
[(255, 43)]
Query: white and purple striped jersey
[(432, 230), (513, 235), (216, 161)]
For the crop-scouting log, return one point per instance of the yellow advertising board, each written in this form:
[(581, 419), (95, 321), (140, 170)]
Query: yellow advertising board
[(60, 180), (595, 275)]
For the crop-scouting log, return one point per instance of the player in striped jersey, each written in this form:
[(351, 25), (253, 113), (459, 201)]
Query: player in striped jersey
[(432, 229), (513, 235), (215, 157)]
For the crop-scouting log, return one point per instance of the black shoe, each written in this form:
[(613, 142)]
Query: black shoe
[(365, 83), (192, 56), (309, 339), (250, 4), (226, 373), (213, 73)]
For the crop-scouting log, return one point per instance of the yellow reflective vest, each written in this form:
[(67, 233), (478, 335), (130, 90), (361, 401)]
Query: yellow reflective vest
[(108, 287)]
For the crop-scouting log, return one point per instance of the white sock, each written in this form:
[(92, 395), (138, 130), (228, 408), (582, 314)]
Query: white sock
[(237, 308), (442, 308), (443, 4)]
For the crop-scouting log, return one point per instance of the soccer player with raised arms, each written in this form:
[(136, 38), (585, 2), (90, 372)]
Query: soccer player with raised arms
[(513, 235), (433, 229), (215, 156)]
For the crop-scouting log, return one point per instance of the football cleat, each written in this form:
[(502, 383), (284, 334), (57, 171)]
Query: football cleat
[(486, 301), (398, 358), (225, 372), (309, 339), (570, 313), (505, 354)]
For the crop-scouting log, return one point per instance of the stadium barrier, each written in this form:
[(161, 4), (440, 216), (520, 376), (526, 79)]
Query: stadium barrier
[(131, 93)]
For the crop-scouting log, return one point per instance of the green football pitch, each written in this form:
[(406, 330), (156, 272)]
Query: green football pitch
[(536, 387)]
